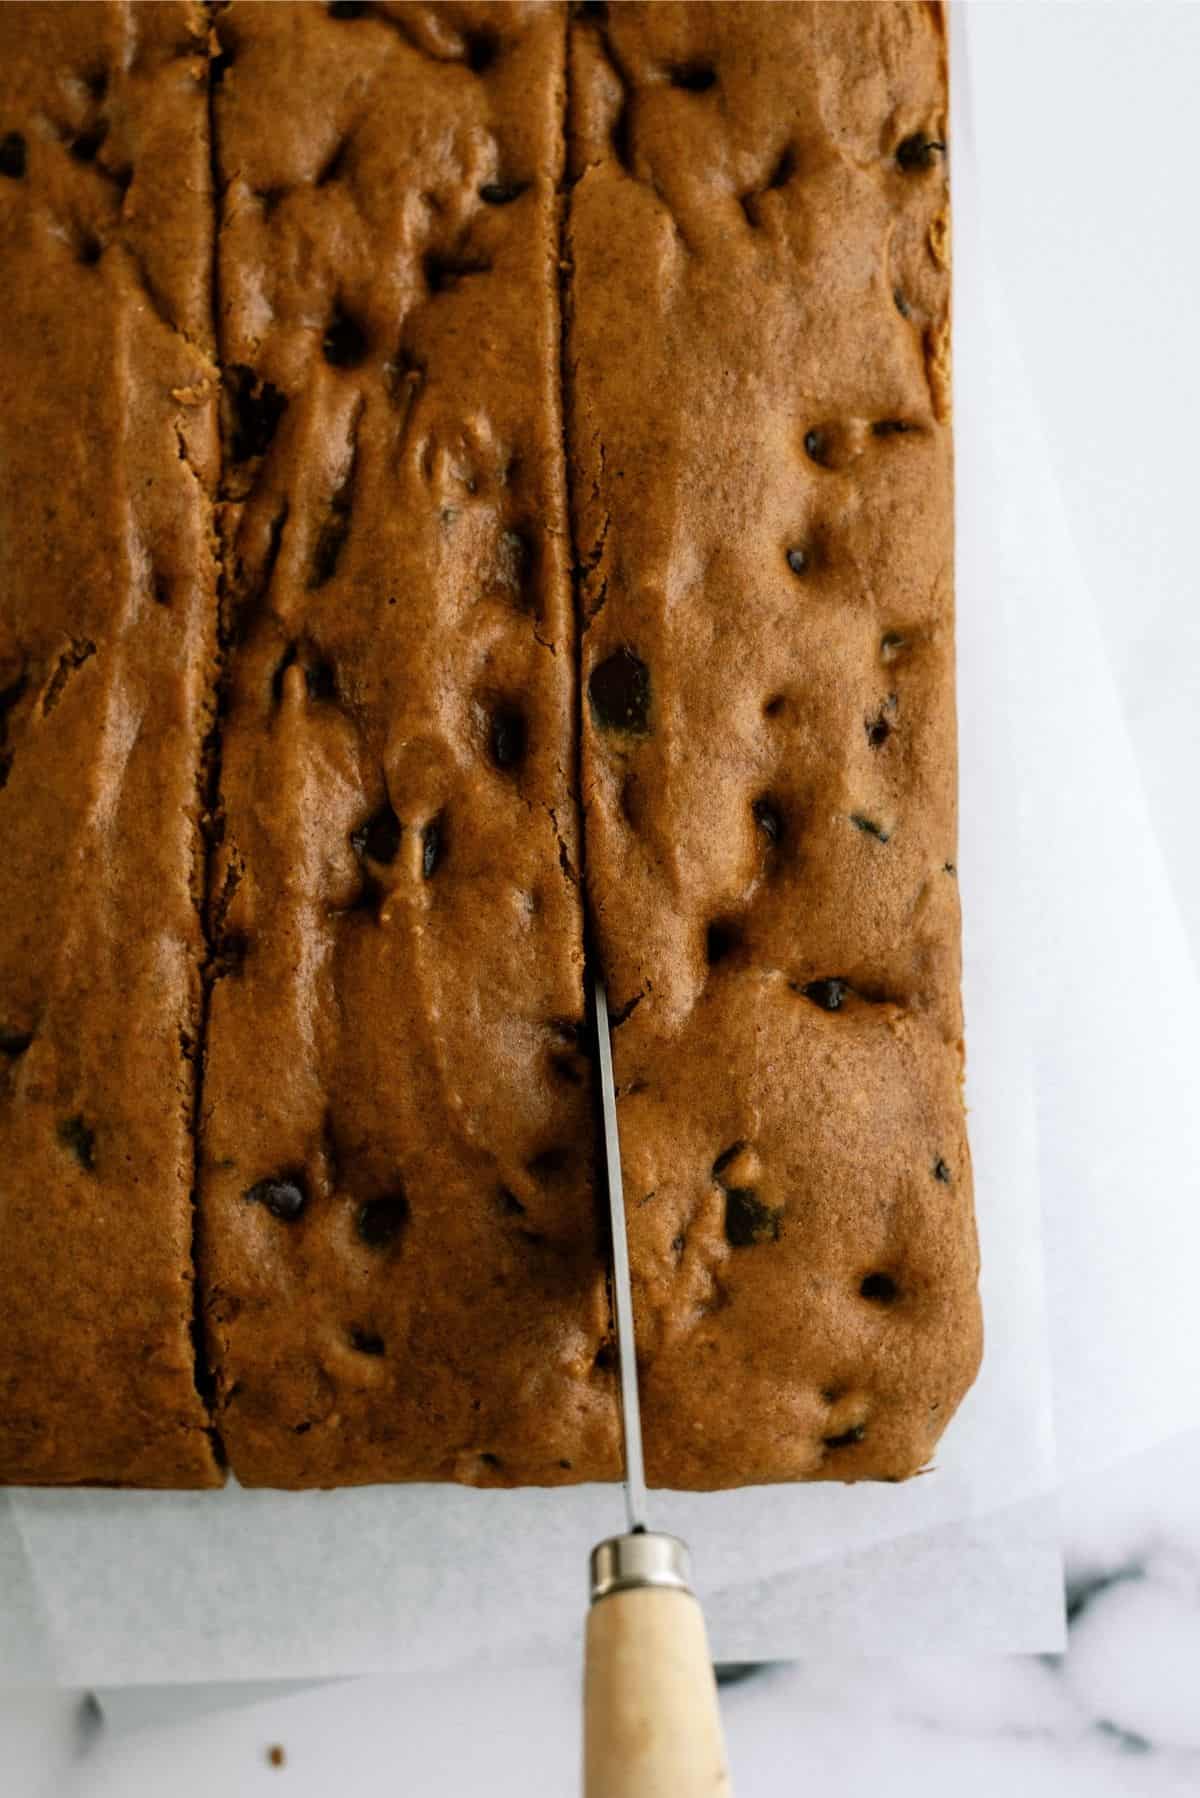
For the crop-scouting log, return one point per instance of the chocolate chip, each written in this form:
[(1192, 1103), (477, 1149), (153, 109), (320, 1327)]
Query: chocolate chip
[(878, 731), (84, 147), (346, 9), (881, 1288), (769, 819), (950, 869), (366, 1342), (257, 407), (502, 193), (678, 1244), (828, 994), (693, 77), (379, 838), (901, 304), (320, 680), (870, 828), (77, 1136), (431, 847), (344, 344), (725, 1157), (489, 1460), (88, 248), (566, 1466), (891, 427), (619, 692), (918, 152), (720, 940), (941, 1171), (797, 560), (480, 50), (606, 1357), (284, 1196), (12, 155), (848, 1438), (890, 645), (817, 447), (380, 1221), (14, 1042), (508, 737), (748, 1220)]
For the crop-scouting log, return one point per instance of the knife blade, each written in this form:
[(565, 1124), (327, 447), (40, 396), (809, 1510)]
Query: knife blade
[(622, 1290)]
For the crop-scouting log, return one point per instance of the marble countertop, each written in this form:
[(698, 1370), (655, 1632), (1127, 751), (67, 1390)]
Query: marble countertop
[(1117, 1716)]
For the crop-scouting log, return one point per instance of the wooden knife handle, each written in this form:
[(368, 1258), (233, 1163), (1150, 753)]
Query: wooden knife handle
[(652, 1728)]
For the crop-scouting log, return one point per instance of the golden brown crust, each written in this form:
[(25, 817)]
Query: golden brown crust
[(761, 483), (107, 583), (398, 1028)]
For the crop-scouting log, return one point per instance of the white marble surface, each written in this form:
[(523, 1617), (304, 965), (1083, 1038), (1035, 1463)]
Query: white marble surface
[(1117, 1717)]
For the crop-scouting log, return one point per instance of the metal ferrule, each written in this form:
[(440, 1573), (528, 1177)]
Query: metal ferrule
[(644, 1558)]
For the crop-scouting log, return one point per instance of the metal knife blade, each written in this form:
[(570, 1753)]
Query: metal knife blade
[(631, 1414)]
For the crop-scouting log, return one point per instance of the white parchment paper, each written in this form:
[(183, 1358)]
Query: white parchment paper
[(1058, 866)]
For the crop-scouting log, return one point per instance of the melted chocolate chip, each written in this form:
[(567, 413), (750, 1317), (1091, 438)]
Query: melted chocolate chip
[(918, 152), (431, 847), (284, 1196), (797, 560), (817, 447), (869, 827), (693, 77), (848, 1438), (508, 738), (769, 819), (619, 693), (12, 155), (748, 1220), (941, 1172), (828, 994), (480, 50), (257, 408), (379, 838), (320, 680), (367, 1342), (74, 1134), (380, 1221), (878, 731), (344, 344), (881, 1288), (502, 193), (85, 146), (720, 940), (14, 1042)]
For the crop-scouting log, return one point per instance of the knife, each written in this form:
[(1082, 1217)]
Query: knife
[(652, 1728)]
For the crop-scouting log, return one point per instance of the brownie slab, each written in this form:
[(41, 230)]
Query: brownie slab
[(107, 625), (400, 1249), (760, 471)]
